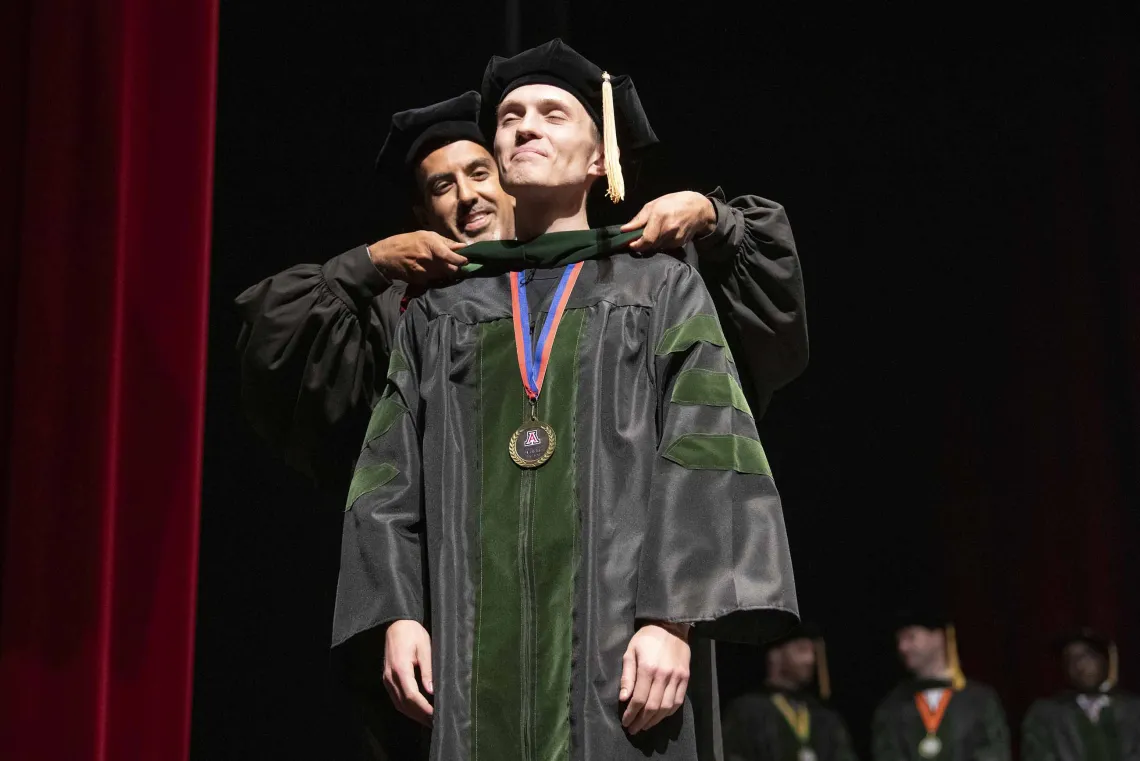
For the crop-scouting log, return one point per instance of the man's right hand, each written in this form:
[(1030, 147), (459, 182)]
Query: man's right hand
[(408, 646), (419, 257)]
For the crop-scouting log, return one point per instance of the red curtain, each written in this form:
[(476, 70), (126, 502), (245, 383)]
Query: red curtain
[(105, 176), (1043, 447)]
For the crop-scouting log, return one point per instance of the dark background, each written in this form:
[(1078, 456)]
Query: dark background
[(965, 191)]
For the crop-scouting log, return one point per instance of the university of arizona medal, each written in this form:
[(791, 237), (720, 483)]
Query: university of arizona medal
[(930, 747), (806, 754), (534, 442)]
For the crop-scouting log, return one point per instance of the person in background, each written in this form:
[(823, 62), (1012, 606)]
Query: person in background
[(935, 714), (788, 718), (1093, 719)]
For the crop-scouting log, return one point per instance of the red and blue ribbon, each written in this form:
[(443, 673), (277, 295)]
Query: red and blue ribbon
[(533, 361)]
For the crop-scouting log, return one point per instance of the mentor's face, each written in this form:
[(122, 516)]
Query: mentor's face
[(546, 139), (461, 197)]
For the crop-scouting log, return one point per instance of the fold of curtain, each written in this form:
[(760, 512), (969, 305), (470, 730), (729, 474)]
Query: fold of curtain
[(106, 167)]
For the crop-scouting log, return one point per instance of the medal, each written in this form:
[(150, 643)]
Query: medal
[(806, 754), (931, 746), (533, 444), (534, 441)]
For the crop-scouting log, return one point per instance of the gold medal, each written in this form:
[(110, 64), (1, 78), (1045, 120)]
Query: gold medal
[(533, 444)]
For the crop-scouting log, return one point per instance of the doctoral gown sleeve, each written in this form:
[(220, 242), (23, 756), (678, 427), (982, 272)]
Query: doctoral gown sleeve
[(313, 347), (716, 551), (996, 746), (382, 552), (1036, 737), (750, 265)]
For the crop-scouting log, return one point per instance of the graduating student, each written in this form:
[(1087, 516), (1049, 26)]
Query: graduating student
[(561, 496), (788, 719), (936, 713), (1092, 720)]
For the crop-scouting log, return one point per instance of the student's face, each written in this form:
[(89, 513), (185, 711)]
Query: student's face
[(461, 197), (919, 646), (1085, 667), (797, 660), (545, 141)]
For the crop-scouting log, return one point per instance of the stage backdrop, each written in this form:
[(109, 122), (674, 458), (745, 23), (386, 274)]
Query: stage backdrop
[(964, 197), (105, 175)]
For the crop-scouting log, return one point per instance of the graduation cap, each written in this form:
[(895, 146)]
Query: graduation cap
[(929, 618), (418, 131), (812, 631), (1099, 643), (612, 102)]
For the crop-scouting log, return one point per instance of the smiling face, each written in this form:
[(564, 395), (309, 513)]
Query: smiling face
[(460, 194), (545, 140)]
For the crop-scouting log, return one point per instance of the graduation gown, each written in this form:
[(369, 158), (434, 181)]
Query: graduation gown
[(1057, 729), (973, 729), (755, 730), (315, 339), (657, 505)]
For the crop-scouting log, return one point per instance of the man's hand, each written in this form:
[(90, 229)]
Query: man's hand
[(672, 221), (419, 257), (407, 646), (654, 675)]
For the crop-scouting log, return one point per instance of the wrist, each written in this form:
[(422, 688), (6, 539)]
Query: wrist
[(709, 219), (379, 259), (676, 628)]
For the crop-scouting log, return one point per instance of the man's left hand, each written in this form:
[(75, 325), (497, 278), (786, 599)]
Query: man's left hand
[(672, 221), (654, 675)]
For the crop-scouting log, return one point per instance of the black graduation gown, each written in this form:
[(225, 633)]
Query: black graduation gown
[(657, 505), (315, 339), (1057, 729), (755, 730), (973, 729)]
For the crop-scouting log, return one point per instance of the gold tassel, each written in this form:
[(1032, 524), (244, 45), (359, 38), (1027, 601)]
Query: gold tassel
[(1113, 667), (616, 190), (821, 673), (957, 678)]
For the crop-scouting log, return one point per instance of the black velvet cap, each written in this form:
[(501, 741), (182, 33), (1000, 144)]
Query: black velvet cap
[(927, 618), (416, 132), (1094, 639), (802, 630), (556, 63)]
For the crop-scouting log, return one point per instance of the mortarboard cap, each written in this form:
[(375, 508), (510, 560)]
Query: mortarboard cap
[(417, 131), (612, 102), (802, 630), (927, 618)]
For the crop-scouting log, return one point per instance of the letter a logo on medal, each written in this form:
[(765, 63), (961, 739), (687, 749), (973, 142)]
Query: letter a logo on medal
[(532, 444)]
